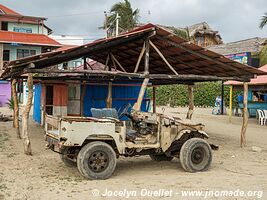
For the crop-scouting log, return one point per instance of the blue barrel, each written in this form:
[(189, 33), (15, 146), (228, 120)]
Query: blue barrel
[(265, 97)]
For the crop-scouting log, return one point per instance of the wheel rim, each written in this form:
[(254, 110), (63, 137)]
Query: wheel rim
[(197, 155), (98, 161)]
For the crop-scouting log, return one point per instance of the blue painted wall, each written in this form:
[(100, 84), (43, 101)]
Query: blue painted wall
[(252, 105), (95, 97), (37, 103)]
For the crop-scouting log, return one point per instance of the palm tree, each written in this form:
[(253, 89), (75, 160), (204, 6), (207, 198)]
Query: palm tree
[(263, 20), (128, 18)]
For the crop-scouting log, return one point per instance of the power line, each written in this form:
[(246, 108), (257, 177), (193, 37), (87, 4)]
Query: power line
[(76, 14)]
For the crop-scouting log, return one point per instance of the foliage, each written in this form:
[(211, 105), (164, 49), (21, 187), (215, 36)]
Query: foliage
[(10, 104), (263, 56), (128, 17), (204, 94), (182, 33), (263, 20)]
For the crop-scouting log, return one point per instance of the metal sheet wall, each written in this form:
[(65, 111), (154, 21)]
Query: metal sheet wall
[(37, 103), (95, 97)]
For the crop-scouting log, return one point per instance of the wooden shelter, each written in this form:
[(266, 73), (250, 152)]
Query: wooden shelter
[(148, 53)]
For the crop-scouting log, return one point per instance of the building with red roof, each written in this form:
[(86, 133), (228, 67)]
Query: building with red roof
[(21, 36)]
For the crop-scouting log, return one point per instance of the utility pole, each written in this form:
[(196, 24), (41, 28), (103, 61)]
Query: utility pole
[(117, 24), (106, 23)]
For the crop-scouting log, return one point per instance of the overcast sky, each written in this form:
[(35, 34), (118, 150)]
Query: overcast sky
[(234, 19)]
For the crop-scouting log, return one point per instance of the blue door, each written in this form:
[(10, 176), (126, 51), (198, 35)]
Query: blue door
[(37, 103)]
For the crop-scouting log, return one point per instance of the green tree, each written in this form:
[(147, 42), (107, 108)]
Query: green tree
[(263, 20), (128, 18)]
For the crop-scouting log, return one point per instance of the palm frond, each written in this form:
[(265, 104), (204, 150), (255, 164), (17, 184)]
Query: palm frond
[(263, 21)]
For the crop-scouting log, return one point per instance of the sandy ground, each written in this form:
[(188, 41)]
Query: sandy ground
[(44, 176)]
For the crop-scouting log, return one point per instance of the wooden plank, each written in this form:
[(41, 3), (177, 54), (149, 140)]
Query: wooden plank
[(106, 64), (163, 58), (137, 105), (245, 116), (139, 58), (147, 56), (118, 63)]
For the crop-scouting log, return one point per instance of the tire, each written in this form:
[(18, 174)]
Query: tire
[(195, 155), (96, 160), (160, 157), (67, 161)]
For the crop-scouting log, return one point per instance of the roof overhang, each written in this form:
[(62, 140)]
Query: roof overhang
[(186, 59)]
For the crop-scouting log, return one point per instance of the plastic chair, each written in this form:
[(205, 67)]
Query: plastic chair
[(261, 117)]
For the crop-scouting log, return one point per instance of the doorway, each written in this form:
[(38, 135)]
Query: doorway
[(49, 99)]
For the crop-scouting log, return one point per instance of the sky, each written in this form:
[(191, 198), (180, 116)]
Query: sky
[(234, 19)]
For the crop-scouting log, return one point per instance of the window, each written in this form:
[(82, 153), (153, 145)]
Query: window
[(22, 30), (72, 93), (6, 55), (77, 64), (22, 53), (4, 26)]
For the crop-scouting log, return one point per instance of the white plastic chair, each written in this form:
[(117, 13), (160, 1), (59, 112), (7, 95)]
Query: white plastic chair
[(265, 116), (261, 117)]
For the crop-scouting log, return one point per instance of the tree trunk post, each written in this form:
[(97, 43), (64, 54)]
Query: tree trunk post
[(190, 102), (109, 97), (16, 108), (25, 118), (245, 116)]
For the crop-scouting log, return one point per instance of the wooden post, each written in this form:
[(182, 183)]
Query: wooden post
[(222, 95), (25, 118), (1, 56), (16, 108), (190, 102), (154, 99), (245, 116), (147, 56), (137, 105), (231, 103), (82, 98), (109, 97)]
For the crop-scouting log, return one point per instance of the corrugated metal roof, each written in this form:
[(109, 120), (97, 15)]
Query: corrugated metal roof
[(186, 58), (260, 80)]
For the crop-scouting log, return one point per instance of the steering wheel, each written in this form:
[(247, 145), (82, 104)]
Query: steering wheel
[(125, 111)]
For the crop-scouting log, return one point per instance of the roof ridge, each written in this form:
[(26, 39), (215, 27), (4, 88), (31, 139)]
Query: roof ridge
[(7, 10)]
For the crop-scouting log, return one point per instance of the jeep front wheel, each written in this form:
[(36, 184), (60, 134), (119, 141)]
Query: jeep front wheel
[(195, 155), (96, 160)]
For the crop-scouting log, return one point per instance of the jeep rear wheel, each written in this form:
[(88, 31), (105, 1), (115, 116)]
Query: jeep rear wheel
[(160, 157), (96, 160), (195, 155)]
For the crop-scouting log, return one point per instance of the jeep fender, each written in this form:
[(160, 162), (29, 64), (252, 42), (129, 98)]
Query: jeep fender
[(196, 133)]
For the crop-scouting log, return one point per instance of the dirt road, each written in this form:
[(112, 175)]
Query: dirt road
[(43, 176)]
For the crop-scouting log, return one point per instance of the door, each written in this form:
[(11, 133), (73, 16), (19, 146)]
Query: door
[(37, 103), (49, 96)]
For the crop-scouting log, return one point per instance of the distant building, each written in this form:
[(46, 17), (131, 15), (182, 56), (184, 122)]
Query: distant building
[(244, 51), (200, 34), (21, 36), (69, 41)]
